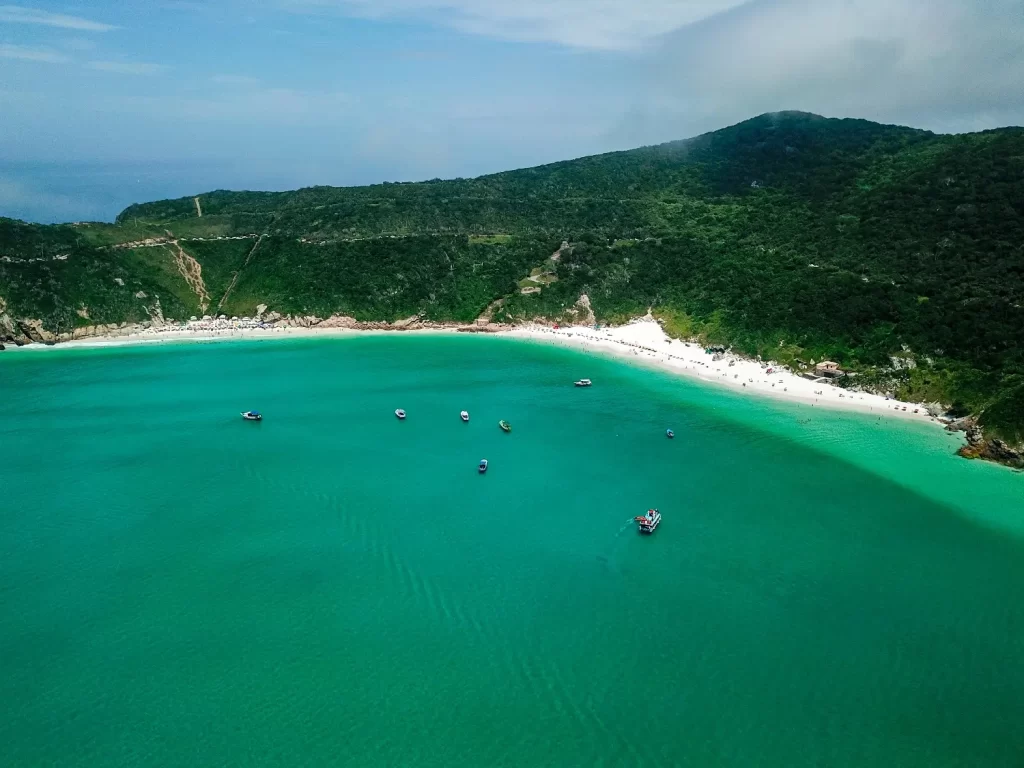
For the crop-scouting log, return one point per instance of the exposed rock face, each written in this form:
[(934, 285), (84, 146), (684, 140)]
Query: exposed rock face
[(33, 330), (582, 310), (339, 321), (100, 329), (155, 312), (8, 329), (993, 450), (409, 322), (966, 424), (981, 447)]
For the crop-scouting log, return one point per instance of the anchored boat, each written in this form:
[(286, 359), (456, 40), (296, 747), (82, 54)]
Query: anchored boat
[(252, 416), (464, 415), (584, 383), (505, 426), (483, 466), (400, 414), (647, 523)]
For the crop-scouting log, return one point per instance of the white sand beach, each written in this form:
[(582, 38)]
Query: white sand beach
[(642, 341)]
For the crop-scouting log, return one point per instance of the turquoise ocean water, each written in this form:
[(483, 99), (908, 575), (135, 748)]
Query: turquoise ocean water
[(334, 587)]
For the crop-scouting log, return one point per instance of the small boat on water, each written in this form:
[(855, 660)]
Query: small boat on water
[(669, 434), (252, 416), (505, 426), (483, 466), (584, 383), (649, 522), (400, 414), (464, 415)]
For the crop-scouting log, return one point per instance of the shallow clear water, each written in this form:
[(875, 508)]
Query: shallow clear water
[(334, 587)]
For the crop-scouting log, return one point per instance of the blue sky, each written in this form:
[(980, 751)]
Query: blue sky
[(104, 103)]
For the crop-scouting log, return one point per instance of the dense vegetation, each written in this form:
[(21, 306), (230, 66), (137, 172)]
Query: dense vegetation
[(788, 235)]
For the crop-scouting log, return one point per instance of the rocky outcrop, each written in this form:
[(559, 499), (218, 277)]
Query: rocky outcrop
[(100, 329), (155, 312), (966, 424), (989, 448), (8, 328), (34, 331), (410, 322)]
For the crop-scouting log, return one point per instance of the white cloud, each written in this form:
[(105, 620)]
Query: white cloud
[(890, 60), (127, 67), (25, 53), (234, 80), (78, 44), (17, 14), (588, 24)]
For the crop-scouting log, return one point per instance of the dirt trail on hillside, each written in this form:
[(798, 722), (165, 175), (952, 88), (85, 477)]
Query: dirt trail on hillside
[(234, 277), (199, 208), (192, 271), (488, 313)]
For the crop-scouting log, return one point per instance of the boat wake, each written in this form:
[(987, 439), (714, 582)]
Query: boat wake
[(627, 525)]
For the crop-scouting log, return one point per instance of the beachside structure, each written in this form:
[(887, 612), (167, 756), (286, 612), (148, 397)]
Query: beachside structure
[(828, 368)]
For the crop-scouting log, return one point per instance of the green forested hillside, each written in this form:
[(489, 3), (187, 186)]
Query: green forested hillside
[(789, 235)]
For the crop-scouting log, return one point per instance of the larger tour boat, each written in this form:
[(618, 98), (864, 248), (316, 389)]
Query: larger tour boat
[(252, 416), (647, 523)]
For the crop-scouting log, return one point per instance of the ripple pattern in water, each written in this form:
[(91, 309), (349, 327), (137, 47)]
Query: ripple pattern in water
[(335, 587)]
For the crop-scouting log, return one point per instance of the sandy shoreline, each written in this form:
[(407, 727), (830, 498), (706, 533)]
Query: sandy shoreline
[(136, 338), (645, 342), (641, 341)]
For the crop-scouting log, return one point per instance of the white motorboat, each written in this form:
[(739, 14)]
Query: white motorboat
[(649, 522)]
